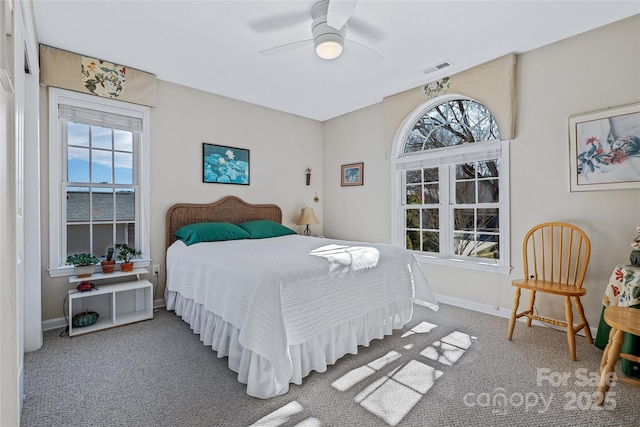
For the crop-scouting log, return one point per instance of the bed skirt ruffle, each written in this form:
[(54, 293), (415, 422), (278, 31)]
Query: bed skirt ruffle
[(313, 355)]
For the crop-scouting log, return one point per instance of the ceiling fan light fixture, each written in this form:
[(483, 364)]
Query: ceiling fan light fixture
[(329, 46)]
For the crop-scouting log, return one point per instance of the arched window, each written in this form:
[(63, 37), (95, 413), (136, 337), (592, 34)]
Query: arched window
[(450, 185)]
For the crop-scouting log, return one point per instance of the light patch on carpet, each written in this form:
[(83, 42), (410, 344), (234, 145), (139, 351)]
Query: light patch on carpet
[(420, 328), (280, 416), (459, 339), (354, 376), (392, 396), (417, 376), (309, 422), (449, 349)]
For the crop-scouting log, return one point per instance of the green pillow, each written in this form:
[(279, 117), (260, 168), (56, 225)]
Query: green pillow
[(210, 232), (262, 229)]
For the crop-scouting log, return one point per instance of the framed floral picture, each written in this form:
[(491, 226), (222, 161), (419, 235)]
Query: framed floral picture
[(352, 174), (604, 149), (225, 165)]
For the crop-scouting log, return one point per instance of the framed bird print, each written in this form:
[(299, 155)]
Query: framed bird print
[(604, 149)]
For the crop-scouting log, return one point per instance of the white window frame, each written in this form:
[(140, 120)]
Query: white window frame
[(442, 157), (57, 169)]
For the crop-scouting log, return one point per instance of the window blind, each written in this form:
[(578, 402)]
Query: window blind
[(99, 118), (480, 152)]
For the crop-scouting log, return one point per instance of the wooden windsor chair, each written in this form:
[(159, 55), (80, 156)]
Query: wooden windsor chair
[(555, 256)]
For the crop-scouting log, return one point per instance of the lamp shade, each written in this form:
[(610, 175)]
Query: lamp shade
[(307, 217)]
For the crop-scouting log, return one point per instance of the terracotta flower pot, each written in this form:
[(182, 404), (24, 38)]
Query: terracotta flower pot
[(108, 266), (126, 266)]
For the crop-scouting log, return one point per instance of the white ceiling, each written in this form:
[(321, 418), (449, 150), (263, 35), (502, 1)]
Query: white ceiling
[(213, 45)]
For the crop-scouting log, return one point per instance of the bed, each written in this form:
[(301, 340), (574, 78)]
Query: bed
[(277, 304)]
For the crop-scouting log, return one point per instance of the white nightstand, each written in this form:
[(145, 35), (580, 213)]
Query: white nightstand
[(116, 304)]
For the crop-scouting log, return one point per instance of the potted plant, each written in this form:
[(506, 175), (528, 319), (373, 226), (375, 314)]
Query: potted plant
[(126, 254), (83, 263), (108, 264)]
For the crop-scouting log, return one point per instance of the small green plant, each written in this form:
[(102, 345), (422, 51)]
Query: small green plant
[(82, 259), (127, 253), (109, 254)]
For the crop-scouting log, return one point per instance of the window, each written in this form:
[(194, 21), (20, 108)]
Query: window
[(450, 185), (98, 176)]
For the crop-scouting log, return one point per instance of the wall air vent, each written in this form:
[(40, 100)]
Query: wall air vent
[(440, 66)]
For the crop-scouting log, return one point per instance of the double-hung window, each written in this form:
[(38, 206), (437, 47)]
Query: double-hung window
[(98, 176), (450, 185)]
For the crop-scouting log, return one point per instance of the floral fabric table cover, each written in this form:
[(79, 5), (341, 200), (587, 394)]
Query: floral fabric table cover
[(623, 288)]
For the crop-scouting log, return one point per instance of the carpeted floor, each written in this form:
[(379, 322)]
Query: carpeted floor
[(450, 368)]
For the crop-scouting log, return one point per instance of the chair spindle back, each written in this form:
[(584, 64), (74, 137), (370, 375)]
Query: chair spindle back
[(557, 252)]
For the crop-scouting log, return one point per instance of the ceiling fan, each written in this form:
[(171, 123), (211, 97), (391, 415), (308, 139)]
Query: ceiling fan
[(330, 21)]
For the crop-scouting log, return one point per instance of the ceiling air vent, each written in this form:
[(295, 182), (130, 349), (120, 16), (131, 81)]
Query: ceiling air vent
[(440, 66)]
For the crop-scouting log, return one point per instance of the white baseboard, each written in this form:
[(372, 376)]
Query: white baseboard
[(60, 322), (497, 311), (48, 325)]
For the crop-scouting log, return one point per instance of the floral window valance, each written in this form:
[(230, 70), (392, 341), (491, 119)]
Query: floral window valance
[(95, 76)]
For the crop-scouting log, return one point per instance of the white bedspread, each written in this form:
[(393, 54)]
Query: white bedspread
[(283, 291)]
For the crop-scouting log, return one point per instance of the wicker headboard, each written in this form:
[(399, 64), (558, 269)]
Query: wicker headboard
[(228, 209)]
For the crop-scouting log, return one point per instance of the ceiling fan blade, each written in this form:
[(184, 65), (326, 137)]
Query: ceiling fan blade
[(339, 12), (362, 54), (278, 22), (286, 47), (364, 29)]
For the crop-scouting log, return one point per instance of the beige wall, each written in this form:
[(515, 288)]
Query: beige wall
[(590, 72), (282, 147), (585, 73), (359, 212)]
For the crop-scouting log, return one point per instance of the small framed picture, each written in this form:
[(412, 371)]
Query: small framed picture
[(225, 165), (352, 174)]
